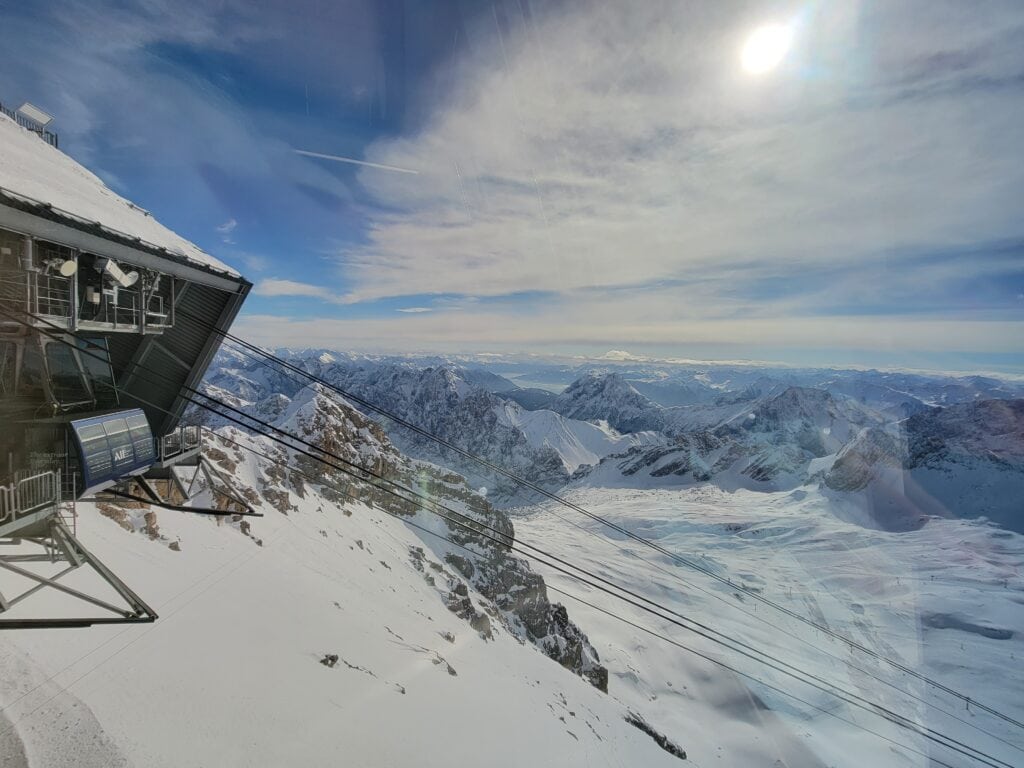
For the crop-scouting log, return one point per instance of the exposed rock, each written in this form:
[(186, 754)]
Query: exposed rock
[(151, 528), (115, 513), (482, 538), (660, 739)]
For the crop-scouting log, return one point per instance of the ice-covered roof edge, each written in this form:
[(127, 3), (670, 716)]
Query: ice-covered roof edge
[(40, 179), (21, 214)]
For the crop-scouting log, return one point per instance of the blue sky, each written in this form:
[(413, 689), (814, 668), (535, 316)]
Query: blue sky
[(587, 175)]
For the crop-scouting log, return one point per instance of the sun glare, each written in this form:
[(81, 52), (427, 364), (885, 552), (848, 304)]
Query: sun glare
[(765, 48)]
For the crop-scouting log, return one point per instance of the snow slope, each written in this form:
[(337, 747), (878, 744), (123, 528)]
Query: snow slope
[(230, 675), (456, 653), (444, 650), (576, 442), (944, 600)]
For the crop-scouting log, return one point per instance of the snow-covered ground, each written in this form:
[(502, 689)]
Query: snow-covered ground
[(230, 674), (944, 600)]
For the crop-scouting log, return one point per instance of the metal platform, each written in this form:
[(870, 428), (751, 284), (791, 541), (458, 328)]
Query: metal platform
[(44, 552)]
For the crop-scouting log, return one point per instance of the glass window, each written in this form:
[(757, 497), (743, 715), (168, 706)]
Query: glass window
[(30, 382), (66, 376), (8, 365), (95, 358)]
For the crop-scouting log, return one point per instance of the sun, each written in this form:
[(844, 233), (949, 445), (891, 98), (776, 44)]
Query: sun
[(765, 48)]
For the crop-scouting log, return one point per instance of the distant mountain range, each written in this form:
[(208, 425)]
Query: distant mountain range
[(893, 448)]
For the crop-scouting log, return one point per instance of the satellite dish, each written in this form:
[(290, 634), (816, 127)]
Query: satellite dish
[(68, 268), (130, 279)]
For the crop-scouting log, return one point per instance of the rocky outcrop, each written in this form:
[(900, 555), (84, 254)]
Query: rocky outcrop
[(449, 402), (609, 397), (479, 552), (859, 461)]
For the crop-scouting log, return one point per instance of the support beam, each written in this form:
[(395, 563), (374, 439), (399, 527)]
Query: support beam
[(70, 554), (205, 356), (146, 346), (37, 587), (62, 542), (163, 348), (52, 582)]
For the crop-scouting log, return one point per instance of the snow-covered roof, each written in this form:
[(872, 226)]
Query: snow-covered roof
[(32, 169)]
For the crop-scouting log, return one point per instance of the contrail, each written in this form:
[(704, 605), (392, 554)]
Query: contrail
[(340, 159)]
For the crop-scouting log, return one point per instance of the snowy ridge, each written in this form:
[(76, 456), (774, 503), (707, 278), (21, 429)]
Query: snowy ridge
[(966, 460), (519, 597), (963, 461), (576, 442), (542, 445)]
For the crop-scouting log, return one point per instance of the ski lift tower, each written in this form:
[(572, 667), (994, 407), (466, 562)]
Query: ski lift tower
[(107, 319)]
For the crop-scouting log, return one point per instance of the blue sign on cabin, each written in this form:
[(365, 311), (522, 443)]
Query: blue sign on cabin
[(112, 446)]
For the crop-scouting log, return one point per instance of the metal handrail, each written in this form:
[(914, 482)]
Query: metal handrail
[(182, 440), (29, 495), (49, 296)]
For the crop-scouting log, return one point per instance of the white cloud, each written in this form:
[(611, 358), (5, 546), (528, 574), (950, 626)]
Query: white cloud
[(619, 144), (225, 231), (415, 310), (253, 262), (277, 287), (196, 135)]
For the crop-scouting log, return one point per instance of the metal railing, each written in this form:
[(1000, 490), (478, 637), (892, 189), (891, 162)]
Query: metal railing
[(35, 292), (182, 440), (28, 495), (121, 309), (50, 296), (48, 136)]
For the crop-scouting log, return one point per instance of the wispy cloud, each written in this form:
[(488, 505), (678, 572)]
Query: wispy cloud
[(279, 287), (225, 231), (253, 262), (585, 159), (218, 153), (609, 161)]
